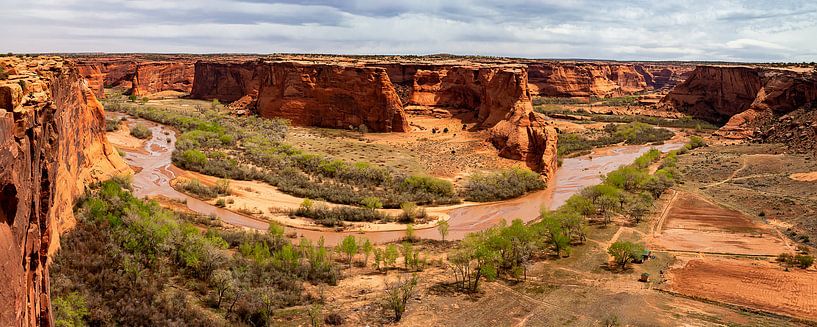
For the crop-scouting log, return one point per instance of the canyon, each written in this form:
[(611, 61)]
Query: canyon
[(52, 145), (752, 102)]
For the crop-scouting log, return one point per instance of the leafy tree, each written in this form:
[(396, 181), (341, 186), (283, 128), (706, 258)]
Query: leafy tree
[(638, 207), (409, 232), (349, 247), (366, 248), (378, 258), (222, 281), (70, 310), (624, 252), (408, 254), (557, 236), (390, 255), (398, 295), (442, 227), (372, 202)]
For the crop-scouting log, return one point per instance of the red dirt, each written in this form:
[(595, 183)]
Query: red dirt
[(756, 284), (694, 224)]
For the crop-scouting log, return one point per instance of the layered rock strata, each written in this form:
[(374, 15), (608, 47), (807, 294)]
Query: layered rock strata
[(52, 144), (322, 95), (753, 101), (136, 76)]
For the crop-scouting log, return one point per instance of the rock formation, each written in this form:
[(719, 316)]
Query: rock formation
[(308, 94), (52, 142), (499, 96), (584, 79), (138, 76), (770, 104), (157, 76), (107, 72), (715, 93)]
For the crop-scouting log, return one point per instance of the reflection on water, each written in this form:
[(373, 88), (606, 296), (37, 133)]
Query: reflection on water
[(574, 174)]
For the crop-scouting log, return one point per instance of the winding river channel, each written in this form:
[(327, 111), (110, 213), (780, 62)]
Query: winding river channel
[(155, 172)]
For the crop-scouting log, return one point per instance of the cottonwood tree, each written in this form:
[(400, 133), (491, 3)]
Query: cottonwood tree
[(390, 255), (378, 258), (442, 227), (637, 208), (349, 247), (624, 252), (398, 294), (366, 248), (222, 281)]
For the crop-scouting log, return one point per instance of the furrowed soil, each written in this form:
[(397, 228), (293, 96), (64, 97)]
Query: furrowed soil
[(754, 284)]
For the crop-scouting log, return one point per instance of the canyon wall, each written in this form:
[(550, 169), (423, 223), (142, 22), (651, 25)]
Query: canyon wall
[(157, 76), (764, 103), (584, 80), (715, 93), (137, 76), (500, 97), (52, 144), (308, 94)]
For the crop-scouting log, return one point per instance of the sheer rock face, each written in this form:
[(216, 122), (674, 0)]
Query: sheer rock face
[(52, 143), (501, 100), (584, 80), (138, 77), (107, 72), (155, 77), (754, 102), (323, 95), (715, 93)]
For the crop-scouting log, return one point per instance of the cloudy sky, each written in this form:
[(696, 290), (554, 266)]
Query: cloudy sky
[(729, 30)]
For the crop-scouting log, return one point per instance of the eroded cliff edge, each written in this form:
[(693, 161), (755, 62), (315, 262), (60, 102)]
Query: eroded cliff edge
[(52, 144), (766, 104)]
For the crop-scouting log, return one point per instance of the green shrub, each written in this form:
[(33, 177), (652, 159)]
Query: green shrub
[(427, 184), (335, 216), (502, 185), (141, 131), (222, 187), (112, 125)]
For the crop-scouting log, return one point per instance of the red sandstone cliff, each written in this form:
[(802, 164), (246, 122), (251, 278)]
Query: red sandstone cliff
[(584, 79), (52, 142), (754, 102), (154, 77), (323, 95), (500, 97), (107, 72), (136, 75), (715, 93)]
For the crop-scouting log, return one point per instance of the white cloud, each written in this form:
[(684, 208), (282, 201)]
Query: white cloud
[(732, 30)]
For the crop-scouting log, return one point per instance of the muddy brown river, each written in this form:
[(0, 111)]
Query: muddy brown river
[(155, 173)]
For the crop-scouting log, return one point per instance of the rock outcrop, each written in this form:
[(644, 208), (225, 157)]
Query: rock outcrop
[(52, 143), (754, 102), (308, 94), (714, 93), (498, 95), (137, 76), (107, 72), (157, 76), (584, 79)]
